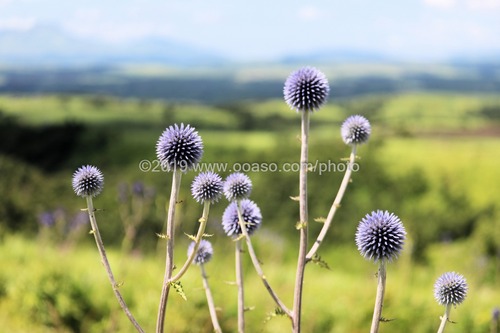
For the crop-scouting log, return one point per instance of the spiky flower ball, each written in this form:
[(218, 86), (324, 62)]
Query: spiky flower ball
[(179, 147), (450, 288), (252, 218), (88, 181), (204, 253), (207, 186), (355, 130), (495, 314), (380, 236), (306, 89), (237, 186)]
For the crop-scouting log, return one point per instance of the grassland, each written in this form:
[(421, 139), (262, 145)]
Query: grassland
[(447, 138), (51, 286)]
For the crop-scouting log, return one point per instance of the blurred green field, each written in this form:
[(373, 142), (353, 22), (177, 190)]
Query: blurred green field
[(55, 287), (432, 159), (468, 164)]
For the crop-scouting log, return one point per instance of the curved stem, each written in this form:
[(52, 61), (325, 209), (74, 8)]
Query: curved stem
[(199, 236), (105, 262), (302, 225), (335, 206), (239, 283), (169, 261), (256, 264), (444, 318), (379, 300), (210, 301)]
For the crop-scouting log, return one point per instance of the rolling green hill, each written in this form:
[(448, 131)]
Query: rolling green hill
[(432, 159)]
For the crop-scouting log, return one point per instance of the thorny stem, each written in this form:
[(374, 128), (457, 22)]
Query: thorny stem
[(256, 264), (335, 206), (105, 262), (445, 318), (210, 301), (303, 213), (241, 290), (169, 262), (379, 300), (199, 236)]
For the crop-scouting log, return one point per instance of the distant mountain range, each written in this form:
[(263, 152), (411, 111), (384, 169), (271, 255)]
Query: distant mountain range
[(50, 45)]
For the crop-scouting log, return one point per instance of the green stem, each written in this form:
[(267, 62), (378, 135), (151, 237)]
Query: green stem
[(303, 213), (239, 283), (256, 264), (105, 262), (335, 206), (201, 231), (210, 301), (379, 300), (445, 318), (169, 261)]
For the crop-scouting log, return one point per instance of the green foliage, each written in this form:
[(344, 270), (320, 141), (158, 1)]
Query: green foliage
[(68, 291), (441, 188), (403, 175), (177, 285)]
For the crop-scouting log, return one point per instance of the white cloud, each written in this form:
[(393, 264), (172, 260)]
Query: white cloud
[(309, 13), (88, 14), (483, 4), (208, 17), (17, 23), (444, 4), (471, 4)]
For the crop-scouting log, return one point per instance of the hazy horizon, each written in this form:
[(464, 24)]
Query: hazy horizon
[(415, 30)]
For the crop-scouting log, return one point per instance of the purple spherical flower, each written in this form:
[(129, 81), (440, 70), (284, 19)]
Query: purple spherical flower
[(237, 186), (380, 236), (495, 314), (450, 288), (251, 217), (47, 219), (138, 189), (88, 181), (207, 186), (79, 219), (306, 89), (355, 130), (204, 253), (179, 147)]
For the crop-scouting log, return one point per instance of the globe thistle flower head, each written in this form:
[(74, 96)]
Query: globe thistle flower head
[(495, 314), (237, 186), (380, 236), (138, 189), (204, 253), (47, 219), (306, 89), (252, 218), (179, 147), (79, 220), (207, 186), (88, 181), (355, 130), (450, 288)]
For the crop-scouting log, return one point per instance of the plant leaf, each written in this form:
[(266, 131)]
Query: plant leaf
[(320, 262), (162, 236), (320, 219), (178, 288)]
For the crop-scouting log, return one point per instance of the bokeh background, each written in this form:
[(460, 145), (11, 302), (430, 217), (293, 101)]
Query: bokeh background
[(96, 82)]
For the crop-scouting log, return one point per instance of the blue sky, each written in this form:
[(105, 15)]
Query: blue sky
[(268, 29)]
